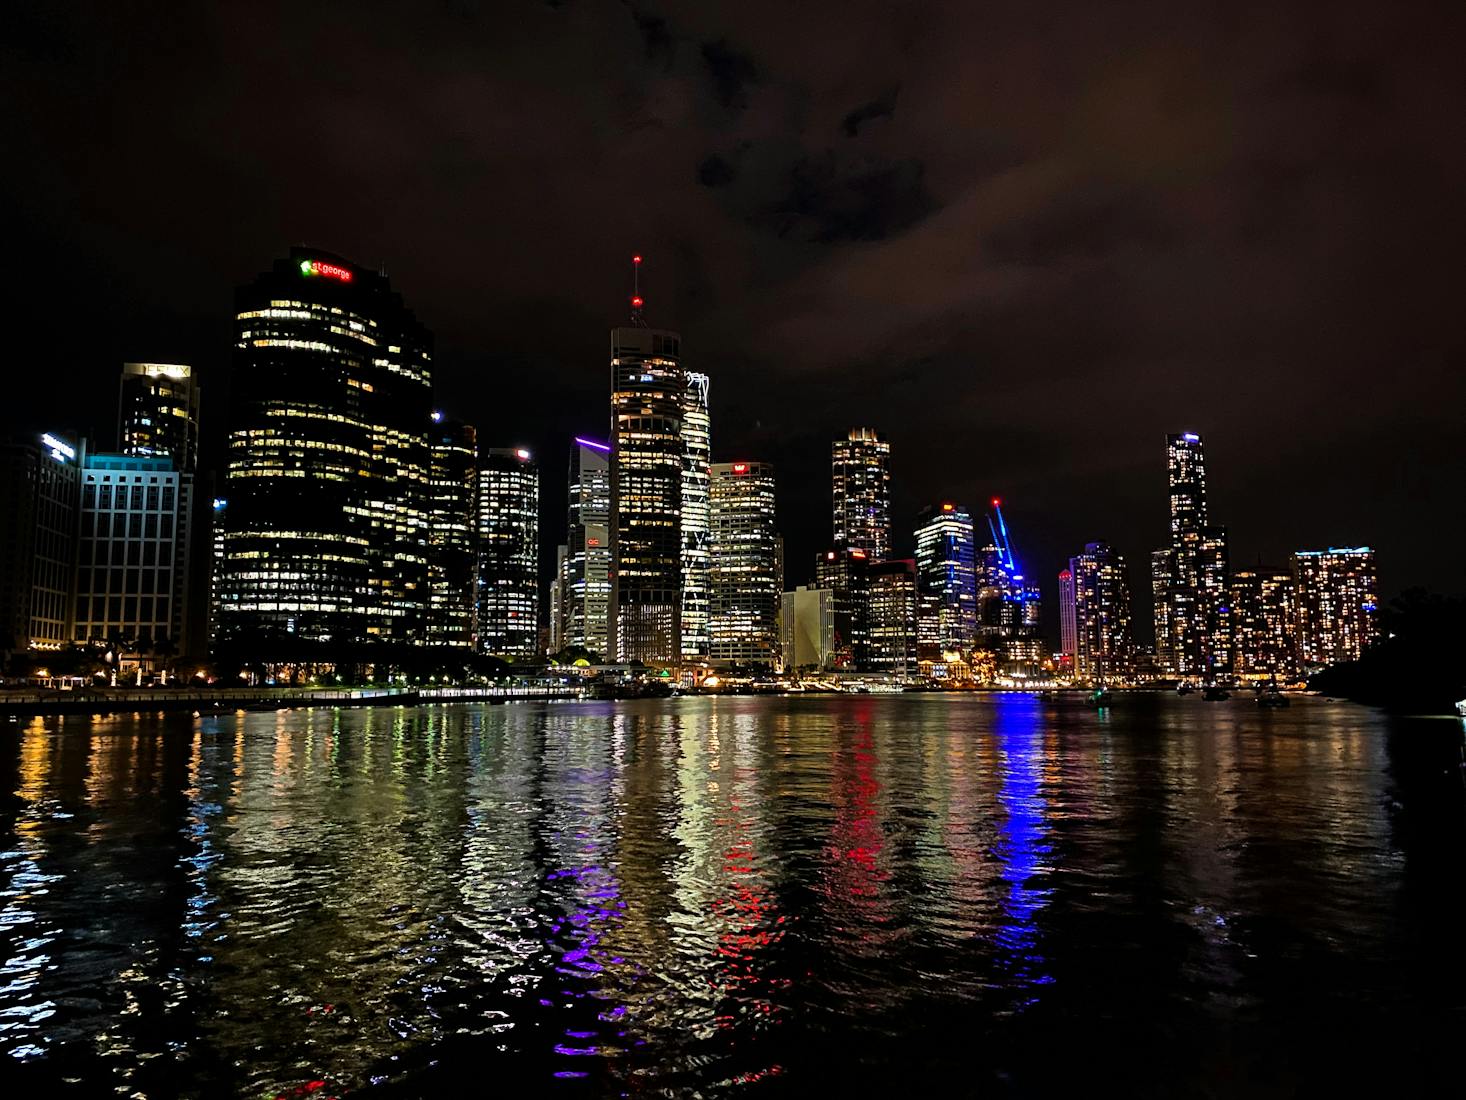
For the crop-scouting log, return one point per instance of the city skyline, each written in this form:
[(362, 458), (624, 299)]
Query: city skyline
[(1021, 311), (351, 494)]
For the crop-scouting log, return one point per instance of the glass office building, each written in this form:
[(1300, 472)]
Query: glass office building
[(328, 465), (508, 549)]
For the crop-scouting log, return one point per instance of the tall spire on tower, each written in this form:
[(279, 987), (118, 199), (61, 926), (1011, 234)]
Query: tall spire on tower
[(636, 299)]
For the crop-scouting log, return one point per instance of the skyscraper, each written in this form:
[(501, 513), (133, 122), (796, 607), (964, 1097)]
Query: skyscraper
[(648, 388), (508, 553), (696, 538), (946, 580), (133, 559), (452, 532), (1104, 651), (861, 476), (1338, 604), (744, 575), (158, 413), (1162, 570), (1068, 616), (845, 573), (585, 579), (890, 602), (325, 537), (1263, 616), (40, 499), (1194, 578)]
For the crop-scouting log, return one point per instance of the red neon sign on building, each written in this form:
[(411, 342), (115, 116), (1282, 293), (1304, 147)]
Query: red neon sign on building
[(320, 267)]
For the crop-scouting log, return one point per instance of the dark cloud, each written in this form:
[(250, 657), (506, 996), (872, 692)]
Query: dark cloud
[(830, 200), (656, 38), (731, 72), (883, 107), (714, 171), (1084, 226)]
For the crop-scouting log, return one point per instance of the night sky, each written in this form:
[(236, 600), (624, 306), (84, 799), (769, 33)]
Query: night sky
[(1024, 240)]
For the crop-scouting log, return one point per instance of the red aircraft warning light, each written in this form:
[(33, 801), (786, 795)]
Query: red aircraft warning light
[(636, 302), (997, 502)]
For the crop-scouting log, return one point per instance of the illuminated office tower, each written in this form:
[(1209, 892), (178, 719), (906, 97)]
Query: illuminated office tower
[(1195, 582), (508, 554), (946, 581), (647, 391), (1338, 602), (1213, 570), (1162, 569), (133, 556), (845, 573), (1104, 652), (890, 617), (40, 500), (158, 413), (744, 582), (696, 539), (585, 577), (327, 463), (557, 602), (861, 472), (1263, 614), (1068, 616), (452, 558)]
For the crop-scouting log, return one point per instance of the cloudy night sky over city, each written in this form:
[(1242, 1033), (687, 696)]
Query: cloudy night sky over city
[(1025, 241)]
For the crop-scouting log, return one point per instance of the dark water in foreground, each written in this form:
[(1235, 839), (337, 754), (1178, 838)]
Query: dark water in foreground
[(916, 895)]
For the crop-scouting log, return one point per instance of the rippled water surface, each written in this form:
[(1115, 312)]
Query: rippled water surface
[(930, 895)]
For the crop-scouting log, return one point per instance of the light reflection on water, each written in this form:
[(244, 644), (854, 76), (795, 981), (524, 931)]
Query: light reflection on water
[(713, 896)]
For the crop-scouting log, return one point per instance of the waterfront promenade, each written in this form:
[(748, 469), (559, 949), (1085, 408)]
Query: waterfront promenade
[(217, 700)]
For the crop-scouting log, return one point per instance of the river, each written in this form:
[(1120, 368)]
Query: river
[(913, 895)]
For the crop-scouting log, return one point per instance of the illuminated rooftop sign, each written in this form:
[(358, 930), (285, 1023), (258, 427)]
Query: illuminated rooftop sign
[(1191, 437), (61, 451), (740, 467), (330, 271), (522, 455)]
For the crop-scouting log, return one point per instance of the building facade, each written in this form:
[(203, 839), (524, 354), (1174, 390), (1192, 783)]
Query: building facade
[(1104, 647), (845, 574), (452, 534), (696, 535), (1192, 582), (861, 490), (648, 389), (40, 499), (946, 580), (133, 557), (325, 535), (744, 576), (1338, 604), (1068, 617), (585, 576), (890, 617), (807, 629), (1263, 612), (508, 554), (158, 413)]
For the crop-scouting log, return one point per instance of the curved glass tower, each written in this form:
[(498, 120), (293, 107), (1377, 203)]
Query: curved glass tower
[(328, 459)]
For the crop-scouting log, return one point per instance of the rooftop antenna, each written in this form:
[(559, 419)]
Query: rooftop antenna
[(636, 299)]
